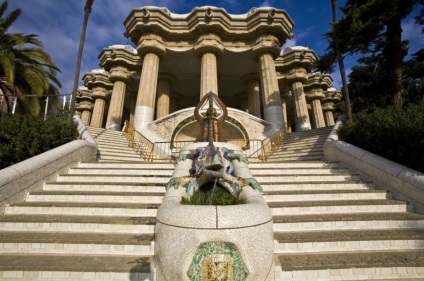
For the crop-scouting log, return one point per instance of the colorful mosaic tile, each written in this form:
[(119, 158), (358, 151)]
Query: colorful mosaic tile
[(217, 261)]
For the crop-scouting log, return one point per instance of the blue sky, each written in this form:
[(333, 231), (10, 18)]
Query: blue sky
[(58, 24)]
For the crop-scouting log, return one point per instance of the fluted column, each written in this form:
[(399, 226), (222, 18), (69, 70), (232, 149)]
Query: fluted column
[(164, 95), (118, 76), (145, 105), (273, 111), (315, 100), (254, 97), (99, 94), (284, 107), (208, 47), (331, 95)]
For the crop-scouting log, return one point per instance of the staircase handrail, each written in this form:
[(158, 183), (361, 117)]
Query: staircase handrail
[(160, 151)]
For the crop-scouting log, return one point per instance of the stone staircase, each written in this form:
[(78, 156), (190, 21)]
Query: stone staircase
[(97, 221)]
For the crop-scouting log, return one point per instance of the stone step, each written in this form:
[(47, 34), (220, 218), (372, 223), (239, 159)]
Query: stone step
[(127, 165), (281, 158), (136, 225), (338, 207), (119, 171), (76, 243), (115, 149), (114, 178), (298, 171), (105, 187), (83, 209), (349, 235), (370, 265), (94, 197), (274, 188), (131, 154), (298, 153), (74, 267), (286, 165), (306, 178), (297, 143), (347, 221), (106, 158), (287, 196)]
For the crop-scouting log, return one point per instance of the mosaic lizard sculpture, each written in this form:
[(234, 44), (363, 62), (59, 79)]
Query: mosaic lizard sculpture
[(212, 164)]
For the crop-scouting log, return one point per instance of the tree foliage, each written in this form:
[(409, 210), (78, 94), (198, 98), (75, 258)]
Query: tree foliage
[(373, 28), (26, 70)]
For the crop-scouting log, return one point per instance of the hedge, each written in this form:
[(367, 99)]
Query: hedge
[(22, 137), (390, 133)]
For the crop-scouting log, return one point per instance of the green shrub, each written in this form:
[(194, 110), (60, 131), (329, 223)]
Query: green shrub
[(392, 134), (22, 137), (211, 194)]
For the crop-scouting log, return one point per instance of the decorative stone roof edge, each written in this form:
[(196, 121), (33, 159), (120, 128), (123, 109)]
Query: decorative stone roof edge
[(154, 19)]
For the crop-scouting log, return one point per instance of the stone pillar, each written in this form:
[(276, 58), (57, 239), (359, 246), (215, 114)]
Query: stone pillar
[(254, 97), (209, 47), (150, 48), (164, 95), (297, 78), (331, 95), (119, 77), (315, 98), (265, 49), (100, 95), (284, 107), (85, 104)]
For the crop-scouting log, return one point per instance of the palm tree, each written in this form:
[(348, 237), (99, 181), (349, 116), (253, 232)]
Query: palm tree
[(26, 70)]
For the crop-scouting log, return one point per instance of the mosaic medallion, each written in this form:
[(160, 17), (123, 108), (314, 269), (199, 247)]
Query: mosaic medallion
[(217, 261)]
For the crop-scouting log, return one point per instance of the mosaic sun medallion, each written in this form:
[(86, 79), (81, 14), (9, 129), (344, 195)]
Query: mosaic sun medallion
[(217, 261)]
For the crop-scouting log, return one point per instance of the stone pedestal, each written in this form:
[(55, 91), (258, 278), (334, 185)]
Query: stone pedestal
[(235, 240)]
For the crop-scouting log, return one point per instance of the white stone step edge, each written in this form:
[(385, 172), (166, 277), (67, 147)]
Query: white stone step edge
[(76, 227), (353, 274), (141, 172), (94, 198), (348, 246), (81, 211), (335, 209), (74, 276), (298, 171), (347, 225), (105, 188), (77, 249), (326, 196), (317, 186), (126, 165)]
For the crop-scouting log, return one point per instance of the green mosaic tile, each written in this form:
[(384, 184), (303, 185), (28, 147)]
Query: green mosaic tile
[(217, 261)]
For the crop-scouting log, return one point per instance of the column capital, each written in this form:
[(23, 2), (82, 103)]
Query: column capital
[(167, 77), (251, 76), (209, 43), (151, 43), (297, 75), (266, 44), (315, 94), (119, 73), (100, 93)]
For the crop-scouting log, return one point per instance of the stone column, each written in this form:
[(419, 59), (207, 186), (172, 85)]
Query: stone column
[(100, 95), (150, 48), (164, 95), (86, 116), (273, 111), (254, 97), (119, 77), (297, 78), (315, 98), (284, 107), (331, 95), (208, 47)]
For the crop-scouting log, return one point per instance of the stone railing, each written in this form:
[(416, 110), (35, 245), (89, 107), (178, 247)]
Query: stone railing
[(405, 183)]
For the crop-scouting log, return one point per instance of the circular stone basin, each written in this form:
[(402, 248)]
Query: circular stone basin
[(213, 242)]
